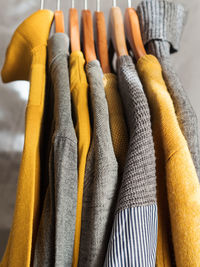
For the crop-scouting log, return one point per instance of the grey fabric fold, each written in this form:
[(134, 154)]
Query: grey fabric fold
[(136, 218), (162, 25), (139, 178), (101, 177), (162, 20), (55, 238)]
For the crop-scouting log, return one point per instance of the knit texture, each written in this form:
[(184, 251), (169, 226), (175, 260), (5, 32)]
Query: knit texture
[(118, 126), (101, 178), (139, 179), (162, 33), (28, 44), (176, 171), (161, 20), (137, 208), (79, 92), (55, 239)]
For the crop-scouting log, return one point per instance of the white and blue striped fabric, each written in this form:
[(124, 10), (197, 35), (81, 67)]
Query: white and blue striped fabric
[(133, 239)]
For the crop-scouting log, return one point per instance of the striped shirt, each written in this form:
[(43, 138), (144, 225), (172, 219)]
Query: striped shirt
[(133, 241)]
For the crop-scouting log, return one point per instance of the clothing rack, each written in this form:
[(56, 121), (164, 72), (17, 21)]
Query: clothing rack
[(110, 170)]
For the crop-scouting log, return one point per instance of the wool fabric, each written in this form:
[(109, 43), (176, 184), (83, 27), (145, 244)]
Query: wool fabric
[(134, 235), (119, 131), (79, 92), (28, 44), (101, 177), (162, 34), (177, 178), (55, 238)]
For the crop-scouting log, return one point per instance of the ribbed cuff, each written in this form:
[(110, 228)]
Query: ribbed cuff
[(158, 48), (162, 20)]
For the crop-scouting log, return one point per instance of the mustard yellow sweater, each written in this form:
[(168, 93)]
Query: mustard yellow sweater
[(117, 120), (79, 92), (177, 178), (26, 60)]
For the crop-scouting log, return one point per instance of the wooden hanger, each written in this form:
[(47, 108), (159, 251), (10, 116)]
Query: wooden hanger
[(133, 32), (74, 29), (102, 44), (59, 19), (118, 34), (88, 35)]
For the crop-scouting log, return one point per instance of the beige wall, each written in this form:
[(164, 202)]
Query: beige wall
[(13, 96)]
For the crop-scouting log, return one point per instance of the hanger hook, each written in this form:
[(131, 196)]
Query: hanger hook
[(129, 3), (98, 5), (85, 5), (42, 4), (58, 5), (114, 3), (73, 4)]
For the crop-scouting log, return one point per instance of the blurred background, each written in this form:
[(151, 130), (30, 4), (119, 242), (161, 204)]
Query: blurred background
[(13, 96)]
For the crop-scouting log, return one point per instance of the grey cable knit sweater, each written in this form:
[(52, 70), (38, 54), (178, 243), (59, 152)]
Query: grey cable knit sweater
[(55, 239), (134, 235), (162, 25), (101, 178)]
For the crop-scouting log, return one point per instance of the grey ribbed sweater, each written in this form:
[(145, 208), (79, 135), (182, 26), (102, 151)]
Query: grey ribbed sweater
[(139, 177), (162, 25), (55, 238), (101, 178), (135, 224)]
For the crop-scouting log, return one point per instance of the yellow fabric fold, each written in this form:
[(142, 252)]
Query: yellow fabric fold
[(177, 180), (118, 126), (26, 60), (79, 92)]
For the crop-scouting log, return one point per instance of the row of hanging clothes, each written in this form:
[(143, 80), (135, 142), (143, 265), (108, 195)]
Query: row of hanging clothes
[(111, 159)]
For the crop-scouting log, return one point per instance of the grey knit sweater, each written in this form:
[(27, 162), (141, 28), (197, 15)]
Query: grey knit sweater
[(55, 239), (135, 225), (101, 178), (161, 25)]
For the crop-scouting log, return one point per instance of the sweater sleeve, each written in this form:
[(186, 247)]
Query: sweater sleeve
[(162, 34), (183, 189), (161, 21)]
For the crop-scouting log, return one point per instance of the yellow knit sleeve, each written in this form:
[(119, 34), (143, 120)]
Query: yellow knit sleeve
[(184, 202), (183, 188), (117, 119)]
